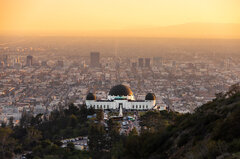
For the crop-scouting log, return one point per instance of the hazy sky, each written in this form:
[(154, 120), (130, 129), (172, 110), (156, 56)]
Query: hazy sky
[(62, 16)]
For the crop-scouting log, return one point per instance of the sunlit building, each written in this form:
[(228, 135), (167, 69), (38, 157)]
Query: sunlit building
[(121, 96)]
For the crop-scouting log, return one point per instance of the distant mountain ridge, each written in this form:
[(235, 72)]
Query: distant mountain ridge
[(188, 30)]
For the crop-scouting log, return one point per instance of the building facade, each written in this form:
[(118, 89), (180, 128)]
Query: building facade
[(121, 96), (29, 60), (140, 62), (95, 59), (147, 62)]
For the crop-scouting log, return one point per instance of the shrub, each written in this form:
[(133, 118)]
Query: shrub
[(183, 140)]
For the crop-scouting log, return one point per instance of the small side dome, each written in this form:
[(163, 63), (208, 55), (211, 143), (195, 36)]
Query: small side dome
[(150, 96), (91, 96)]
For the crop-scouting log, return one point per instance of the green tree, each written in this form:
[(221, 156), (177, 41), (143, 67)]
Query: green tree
[(36, 120), (113, 132), (97, 137), (72, 109), (82, 117), (32, 138), (100, 115), (11, 124), (117, 150), (6, 143), (3, 124), (70, 146), (25, 120), (73, 121), (133, 132)]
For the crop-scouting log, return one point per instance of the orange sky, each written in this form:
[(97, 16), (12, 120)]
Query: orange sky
[(73, 17)]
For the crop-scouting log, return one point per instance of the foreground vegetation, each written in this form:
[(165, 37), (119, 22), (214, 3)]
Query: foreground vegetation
[(41, 135), (212, 131)]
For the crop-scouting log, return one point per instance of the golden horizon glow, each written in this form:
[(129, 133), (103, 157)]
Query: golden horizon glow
[(69, 17)]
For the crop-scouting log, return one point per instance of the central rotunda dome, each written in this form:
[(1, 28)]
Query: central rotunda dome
[(120, 90)]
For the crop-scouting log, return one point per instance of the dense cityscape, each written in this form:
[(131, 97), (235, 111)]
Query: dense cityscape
[(39, 80), (119, 79)]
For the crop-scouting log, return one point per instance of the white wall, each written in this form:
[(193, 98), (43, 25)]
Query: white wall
[(134, 105)]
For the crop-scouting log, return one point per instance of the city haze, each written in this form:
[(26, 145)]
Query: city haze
[(155, 18), (130, 47)]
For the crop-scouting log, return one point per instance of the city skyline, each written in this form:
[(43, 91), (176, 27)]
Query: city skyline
[(119, 79)]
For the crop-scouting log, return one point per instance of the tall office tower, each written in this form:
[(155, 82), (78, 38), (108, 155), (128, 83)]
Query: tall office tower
[(140, 62), (147, 62), (29, 60), (95, 59), (5, 60), (157, 61)]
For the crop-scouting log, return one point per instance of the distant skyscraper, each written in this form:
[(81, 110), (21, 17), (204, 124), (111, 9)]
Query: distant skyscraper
[(157, 61), (147, 62), (140, 62), (29, 60), (95, 59), (5, 60)]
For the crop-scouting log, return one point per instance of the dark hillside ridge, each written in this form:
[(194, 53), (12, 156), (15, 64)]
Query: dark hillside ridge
[(212, 131)]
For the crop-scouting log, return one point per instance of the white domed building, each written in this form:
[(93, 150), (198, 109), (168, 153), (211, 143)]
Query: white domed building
[(121, 96)]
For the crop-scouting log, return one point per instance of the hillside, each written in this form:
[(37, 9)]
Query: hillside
[(212, 131)]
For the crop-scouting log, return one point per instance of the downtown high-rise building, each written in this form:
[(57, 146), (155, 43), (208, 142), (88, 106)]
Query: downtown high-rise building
[(140, 62), (157, 61), (4, 60), (29, 60), (147, 62), (95, 59)]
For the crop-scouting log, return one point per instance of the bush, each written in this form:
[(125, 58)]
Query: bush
[(234, 146), (183, 140)]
